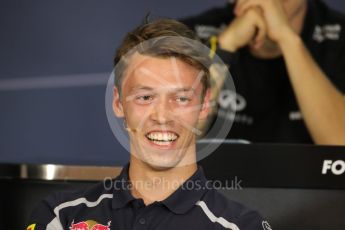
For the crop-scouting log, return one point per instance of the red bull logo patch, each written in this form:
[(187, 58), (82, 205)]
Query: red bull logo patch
[(31, 227), (89, 225)]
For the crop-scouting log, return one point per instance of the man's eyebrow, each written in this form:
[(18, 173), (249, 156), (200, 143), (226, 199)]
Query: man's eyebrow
[(141, 87), (186, 89)]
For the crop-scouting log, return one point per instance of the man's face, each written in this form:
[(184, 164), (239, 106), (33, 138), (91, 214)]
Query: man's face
[(161, 103)]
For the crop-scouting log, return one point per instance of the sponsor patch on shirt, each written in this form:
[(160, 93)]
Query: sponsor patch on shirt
[(266, 225), (31, 227), (89, 225), (295, 116), (327, 32), (206, 31)]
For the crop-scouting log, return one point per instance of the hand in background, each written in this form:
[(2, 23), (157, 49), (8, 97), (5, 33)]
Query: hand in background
[(275, 17), (249, 27)]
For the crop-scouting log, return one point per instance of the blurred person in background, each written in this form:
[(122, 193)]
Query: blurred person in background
[(287, 60)]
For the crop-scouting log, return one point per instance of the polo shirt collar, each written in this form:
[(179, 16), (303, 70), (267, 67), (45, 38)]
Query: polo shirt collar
[(186, 196), (122, 189), (182, 200)]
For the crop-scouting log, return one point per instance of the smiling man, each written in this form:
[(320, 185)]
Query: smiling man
[(162, 93), (161, 108)]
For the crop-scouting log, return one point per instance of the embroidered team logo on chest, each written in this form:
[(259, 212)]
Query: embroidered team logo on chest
[(89, 225), (327, 32)]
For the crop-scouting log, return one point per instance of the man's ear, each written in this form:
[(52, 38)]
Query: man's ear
[(117, 105), (205, 109)]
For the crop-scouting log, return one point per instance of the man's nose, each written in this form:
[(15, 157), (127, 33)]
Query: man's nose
[(161, 112)]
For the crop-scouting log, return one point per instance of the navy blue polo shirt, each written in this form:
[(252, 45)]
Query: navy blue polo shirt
[(194, 205)]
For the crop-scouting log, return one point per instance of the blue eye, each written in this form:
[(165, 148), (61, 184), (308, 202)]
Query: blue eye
[(183, 100)]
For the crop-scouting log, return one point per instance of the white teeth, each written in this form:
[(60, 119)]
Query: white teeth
[(161, 142), (162, 137)]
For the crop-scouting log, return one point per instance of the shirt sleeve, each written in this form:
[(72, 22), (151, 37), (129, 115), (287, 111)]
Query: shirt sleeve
[(42, 216)]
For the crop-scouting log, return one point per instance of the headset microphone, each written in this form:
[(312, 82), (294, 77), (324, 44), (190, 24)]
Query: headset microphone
[(131, 130), (127, 128)]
